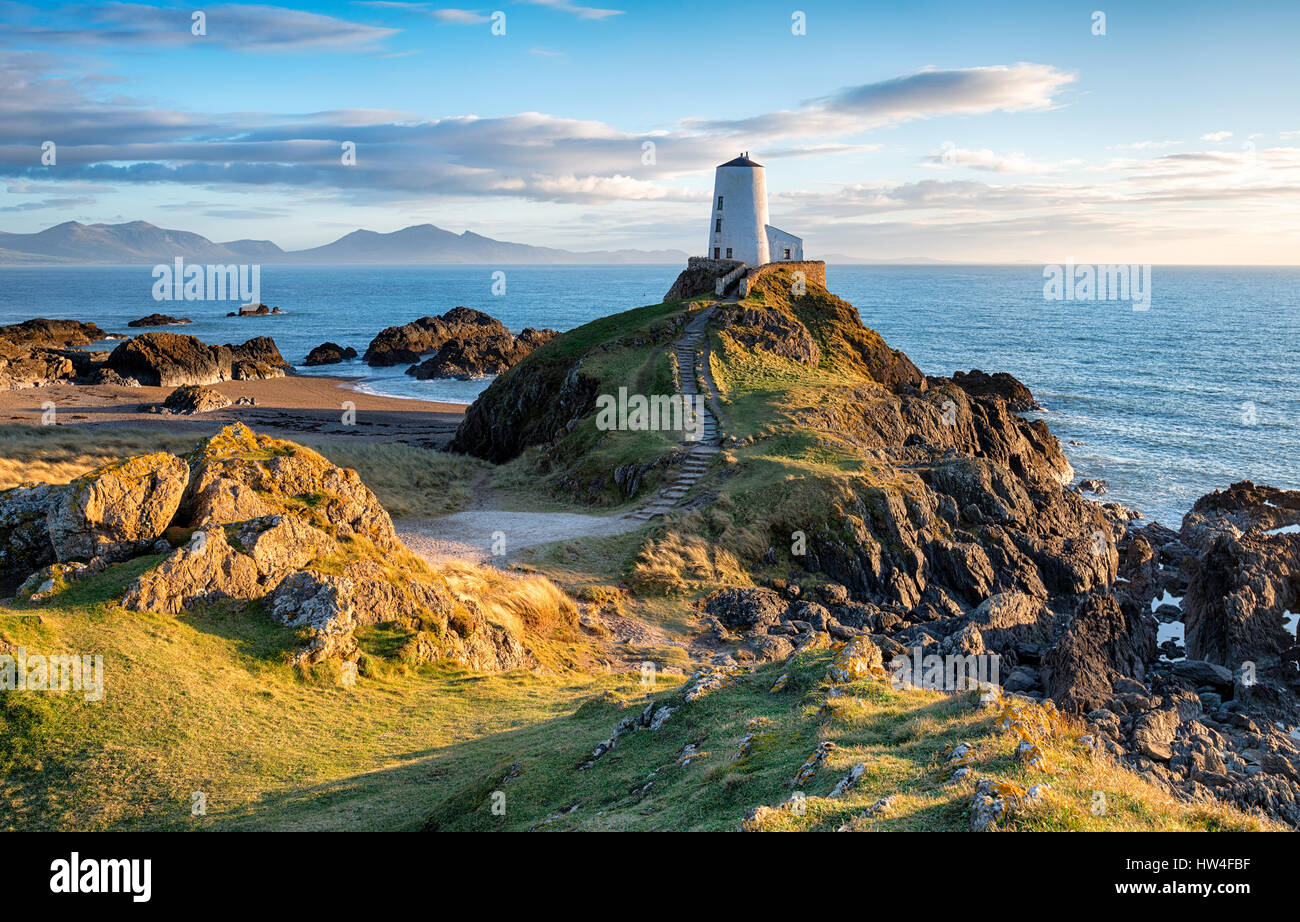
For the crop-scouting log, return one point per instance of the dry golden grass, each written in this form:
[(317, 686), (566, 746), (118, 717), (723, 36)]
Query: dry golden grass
[(528, 603), (676, 563), (409, 481)]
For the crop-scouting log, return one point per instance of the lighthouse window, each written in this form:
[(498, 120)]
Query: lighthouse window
[(717, 225), (719, 203), (787, 252), (728, 252)]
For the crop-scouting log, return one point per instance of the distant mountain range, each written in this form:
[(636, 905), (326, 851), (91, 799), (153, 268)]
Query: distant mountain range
[(139, 242)]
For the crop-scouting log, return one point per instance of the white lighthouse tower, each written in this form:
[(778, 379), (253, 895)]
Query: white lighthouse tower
[(738, 226)]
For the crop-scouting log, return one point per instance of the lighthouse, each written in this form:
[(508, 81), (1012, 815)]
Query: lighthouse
[(738, 223)]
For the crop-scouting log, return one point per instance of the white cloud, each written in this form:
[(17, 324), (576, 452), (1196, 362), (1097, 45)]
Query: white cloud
[(987, 160), (1216, 136)]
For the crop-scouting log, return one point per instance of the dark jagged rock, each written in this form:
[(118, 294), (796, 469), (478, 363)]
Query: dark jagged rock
[(410, 342), (1000, 385), (1244, 573), (1100, 645), (52, 333), (475, 357), (329, 354), (159, 320), (174, 359)]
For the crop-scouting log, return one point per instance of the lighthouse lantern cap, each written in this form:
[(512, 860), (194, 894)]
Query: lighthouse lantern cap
[(742, 160)]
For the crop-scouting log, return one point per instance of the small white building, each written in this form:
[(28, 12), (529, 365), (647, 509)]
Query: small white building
[(738, 226)]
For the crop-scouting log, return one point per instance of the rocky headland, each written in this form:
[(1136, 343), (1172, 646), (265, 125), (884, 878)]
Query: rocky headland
[(946, 524)]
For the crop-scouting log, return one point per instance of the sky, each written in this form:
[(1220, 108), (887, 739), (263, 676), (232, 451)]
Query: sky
[(1039, 132)]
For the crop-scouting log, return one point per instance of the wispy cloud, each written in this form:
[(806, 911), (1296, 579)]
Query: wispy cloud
[(457, 17), (1216, 136), (987, 160), (582, 12), (236, 26)]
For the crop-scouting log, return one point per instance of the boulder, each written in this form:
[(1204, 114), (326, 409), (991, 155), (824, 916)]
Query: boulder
[(476, 356), (25, 544), (158, 320), (409, 342), (747, 608), (329, 354), (174, 359), (207, 569), (235, 472), (169, 360), (1011, 618), (193, 398), (117, 510)]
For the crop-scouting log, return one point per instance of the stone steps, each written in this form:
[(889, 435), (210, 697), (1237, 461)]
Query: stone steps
[(692, 469)]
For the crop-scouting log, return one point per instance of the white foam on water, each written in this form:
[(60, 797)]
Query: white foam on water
[(1289, 621), (1284, 530)]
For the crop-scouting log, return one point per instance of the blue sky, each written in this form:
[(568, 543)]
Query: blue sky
[(999, 132)]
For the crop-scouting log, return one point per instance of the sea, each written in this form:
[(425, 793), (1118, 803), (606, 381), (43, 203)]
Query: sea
[(1196, 389)]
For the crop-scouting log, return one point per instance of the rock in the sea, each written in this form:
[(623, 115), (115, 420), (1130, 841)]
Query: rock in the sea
[(1093, 486), (159, 320), (999, 384), (51, 333), (254, 310), (117, 510), (410, 342), (329, 354), (481, 355)]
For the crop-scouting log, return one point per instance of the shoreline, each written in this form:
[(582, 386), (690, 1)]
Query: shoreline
[(292, 404)]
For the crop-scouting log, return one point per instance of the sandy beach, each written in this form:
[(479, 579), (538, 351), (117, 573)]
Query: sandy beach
[(293, 404)]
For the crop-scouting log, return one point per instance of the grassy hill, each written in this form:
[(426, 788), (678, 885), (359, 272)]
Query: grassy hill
[(207, 701)]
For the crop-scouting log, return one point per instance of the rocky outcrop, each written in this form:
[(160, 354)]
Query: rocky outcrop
[(1000, 385), (1100, 645), (1243, 574), (25, 544), (489, 353), (159, 320), (174, 359), (254, 310), (117, 510), (329, 354), (236, 472), (51, 333), (410, 342)]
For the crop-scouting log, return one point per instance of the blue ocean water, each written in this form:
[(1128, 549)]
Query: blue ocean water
[(1199, 390)]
